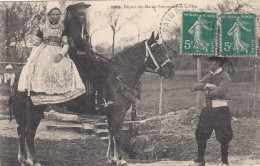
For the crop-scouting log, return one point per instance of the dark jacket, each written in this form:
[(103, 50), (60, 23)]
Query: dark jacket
[(81, 53), (74, 32), (222, 80)]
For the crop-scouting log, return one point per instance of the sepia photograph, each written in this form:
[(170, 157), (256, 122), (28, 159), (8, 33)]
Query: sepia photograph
[(130, 83)]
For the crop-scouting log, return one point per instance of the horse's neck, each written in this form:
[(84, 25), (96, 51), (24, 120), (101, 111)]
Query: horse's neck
[(131, 66)]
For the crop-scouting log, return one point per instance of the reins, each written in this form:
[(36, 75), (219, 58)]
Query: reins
[(128, 67), (148, 53)]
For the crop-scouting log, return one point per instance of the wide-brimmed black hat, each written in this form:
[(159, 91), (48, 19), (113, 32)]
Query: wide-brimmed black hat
[(222, 60), (78, 5)]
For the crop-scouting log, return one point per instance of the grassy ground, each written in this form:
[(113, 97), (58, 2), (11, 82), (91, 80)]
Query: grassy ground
[(173, 139), (77, 152), (177, 95)]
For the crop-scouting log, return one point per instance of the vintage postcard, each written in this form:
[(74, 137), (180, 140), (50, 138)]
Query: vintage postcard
[(137, 83)]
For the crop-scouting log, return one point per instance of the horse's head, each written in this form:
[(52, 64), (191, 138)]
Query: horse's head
[(157, 59)]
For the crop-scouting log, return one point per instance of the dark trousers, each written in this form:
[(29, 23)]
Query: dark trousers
[(82, 64), (92, 70), (218, 119)]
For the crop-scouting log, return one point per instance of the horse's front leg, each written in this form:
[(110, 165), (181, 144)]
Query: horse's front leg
[(33, 121), (19, 111), (110, 149), (21, 153), (119, 122)]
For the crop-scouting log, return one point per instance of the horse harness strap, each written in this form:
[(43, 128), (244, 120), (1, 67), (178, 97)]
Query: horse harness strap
[(111, 61), (164, 63), (149, 53)]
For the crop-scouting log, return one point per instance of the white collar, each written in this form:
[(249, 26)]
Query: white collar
[(217, 71)]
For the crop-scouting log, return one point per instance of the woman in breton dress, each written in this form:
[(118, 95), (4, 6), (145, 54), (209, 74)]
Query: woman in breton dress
[(235, 31), (196, 29), (49, 75)]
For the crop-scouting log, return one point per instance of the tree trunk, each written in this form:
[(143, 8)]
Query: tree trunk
[(113, 43), (7, 33)]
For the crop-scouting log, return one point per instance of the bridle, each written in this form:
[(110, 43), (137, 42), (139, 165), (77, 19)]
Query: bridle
[(149, 53)]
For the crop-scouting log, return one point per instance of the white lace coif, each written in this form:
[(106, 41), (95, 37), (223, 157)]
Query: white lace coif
[(51, 5)]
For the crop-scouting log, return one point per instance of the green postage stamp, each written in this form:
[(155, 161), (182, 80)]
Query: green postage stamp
[(199, 35), (238, 36)]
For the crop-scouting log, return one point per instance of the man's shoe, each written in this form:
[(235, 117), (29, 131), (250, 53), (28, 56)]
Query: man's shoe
[(223, 164), (195, 163)]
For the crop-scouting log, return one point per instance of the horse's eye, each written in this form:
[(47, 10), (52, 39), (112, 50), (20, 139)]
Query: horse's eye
[(156, 47)]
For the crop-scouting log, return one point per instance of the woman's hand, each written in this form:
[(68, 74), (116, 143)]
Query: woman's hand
[(58, 58)]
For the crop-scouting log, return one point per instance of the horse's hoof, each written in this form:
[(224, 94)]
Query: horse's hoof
[(121, 163), (37, 164), (30, 162), (21, 159), (111, 161)]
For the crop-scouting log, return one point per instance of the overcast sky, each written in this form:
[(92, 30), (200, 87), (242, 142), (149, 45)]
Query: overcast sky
[(145, 19)]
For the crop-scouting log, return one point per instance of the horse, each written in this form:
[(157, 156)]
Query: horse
[(126, 68)]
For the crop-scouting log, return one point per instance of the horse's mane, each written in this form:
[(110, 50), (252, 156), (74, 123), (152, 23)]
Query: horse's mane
[(132, 51)]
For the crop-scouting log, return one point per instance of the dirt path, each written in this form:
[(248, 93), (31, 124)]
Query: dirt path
[(234, 161), (66, 147), (8, 129)]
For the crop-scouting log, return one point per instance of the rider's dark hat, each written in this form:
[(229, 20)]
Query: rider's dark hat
[(78, 5)]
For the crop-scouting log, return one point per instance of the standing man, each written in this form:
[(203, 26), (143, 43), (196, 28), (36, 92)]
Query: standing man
[(215, 115)]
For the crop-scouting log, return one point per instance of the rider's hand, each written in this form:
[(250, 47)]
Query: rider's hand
[(58, 58)]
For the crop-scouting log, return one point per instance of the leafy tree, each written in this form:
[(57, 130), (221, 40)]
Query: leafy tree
[(21, 21)]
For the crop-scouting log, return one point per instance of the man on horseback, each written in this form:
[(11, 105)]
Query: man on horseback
[(90, 68)]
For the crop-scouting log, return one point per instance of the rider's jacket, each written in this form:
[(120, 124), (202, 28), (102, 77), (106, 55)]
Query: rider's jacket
[(78, 38)]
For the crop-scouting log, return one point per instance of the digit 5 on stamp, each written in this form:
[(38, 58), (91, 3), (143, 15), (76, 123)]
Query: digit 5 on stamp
[(199, 33), (238, 35)]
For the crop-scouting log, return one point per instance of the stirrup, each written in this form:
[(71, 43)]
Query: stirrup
[(107, 103)]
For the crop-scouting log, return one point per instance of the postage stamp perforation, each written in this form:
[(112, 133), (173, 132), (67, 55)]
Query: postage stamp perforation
[(241, 12)]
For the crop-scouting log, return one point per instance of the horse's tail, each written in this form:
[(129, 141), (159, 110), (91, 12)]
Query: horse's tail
[(12, 102)]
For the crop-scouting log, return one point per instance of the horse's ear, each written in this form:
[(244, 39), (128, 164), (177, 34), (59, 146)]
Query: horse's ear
[(152, 36), (151, 40), (157, 37)]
